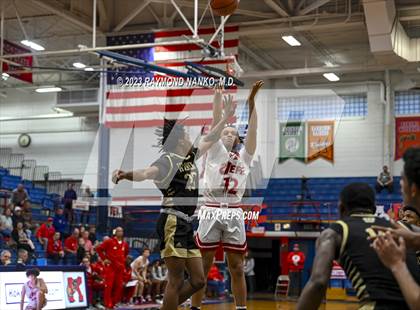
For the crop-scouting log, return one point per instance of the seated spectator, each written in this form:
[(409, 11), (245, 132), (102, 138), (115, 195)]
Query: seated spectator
[(249, 265), (55, 248), (6, 223), (88, 244), (139, 267), (19, 196), (215, 282), (69, 196), (411, 216), (5, 258), (22, 239), (71, 245), (27, 215), (81, 252), (98, 282), (385, 180), (127, 278), (60, 223), (45, 232), (92, 235), (17, 216), (23, 258), (158, 281), (86, 263)]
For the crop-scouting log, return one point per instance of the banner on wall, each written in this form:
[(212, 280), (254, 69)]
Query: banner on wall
[(320, 140), (407, 134), (292, 141), (11, 48)]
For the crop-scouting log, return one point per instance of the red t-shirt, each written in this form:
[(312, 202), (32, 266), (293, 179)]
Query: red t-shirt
[(296, 261), (114, 251), (71, 243), (45, 232), (214, 274), (54, 247)]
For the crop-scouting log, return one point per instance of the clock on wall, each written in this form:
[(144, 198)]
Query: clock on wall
[(24, 140)]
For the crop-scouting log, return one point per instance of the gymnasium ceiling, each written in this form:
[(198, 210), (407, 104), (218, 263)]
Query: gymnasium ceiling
[(332, 32)]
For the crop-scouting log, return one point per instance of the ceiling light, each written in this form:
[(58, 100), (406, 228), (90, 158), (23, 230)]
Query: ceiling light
[(291, 40), (332, 77), (5, 76), (49, 89), (32, 45), (79, 65), (89, 69)]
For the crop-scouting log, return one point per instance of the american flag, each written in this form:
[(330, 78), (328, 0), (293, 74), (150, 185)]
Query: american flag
[(138, 106)]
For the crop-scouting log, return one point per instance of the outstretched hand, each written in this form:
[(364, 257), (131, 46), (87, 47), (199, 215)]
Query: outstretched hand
[(229, 107), (255, 88), (396, 231), (117, 175), (392, 253)]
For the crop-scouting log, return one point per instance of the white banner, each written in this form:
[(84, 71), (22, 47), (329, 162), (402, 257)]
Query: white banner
[(81, 205), (115, 212)]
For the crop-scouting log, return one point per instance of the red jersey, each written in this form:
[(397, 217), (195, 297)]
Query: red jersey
[(71, 243), (214, 274), (296, 260), (45, 232), (115, 251), (54, 246)]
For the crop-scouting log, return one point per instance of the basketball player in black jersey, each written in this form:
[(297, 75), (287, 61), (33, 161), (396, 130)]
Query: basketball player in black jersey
[(176, 175), (346, 241)]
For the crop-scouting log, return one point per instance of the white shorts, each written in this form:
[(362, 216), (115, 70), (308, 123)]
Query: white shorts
[(221, 226)]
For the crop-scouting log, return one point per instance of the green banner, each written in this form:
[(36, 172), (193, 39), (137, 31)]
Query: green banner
[(292, 141)]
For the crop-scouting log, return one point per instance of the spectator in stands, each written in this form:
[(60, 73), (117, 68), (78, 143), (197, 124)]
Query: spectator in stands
[(60, 222), (88, 244), (55, 248), (128, 291), (98, 282), (92, 234), (158, 281), (385, 180), (23, 258), (5, 258), (87, 195), (17, 216), (411, 216), (70, 247), (22, 240), (304, 189), (45, 232), (249, 265), (81, 252), (27, 215), (215, 282), (69, 196), (139, 267), (19, 196), (296, 262), (6, 223)]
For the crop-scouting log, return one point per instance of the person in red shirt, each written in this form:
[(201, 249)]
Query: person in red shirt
[(45, 232), (70, 247), (113, 252), (55, 248), (97, 280), (296, 262), (215, 282)]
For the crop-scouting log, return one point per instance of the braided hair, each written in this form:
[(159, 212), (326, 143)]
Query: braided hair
[(173, 129)]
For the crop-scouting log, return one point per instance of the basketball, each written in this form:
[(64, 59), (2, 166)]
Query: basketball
[(224, 7)]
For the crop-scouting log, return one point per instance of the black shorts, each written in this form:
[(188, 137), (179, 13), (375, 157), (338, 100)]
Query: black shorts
[(176, 237), (385, 305)]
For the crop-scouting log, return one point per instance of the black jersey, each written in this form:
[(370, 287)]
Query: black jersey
[(178, 181), (370, 278)]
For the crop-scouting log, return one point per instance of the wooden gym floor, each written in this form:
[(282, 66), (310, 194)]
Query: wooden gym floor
[(280, 305)]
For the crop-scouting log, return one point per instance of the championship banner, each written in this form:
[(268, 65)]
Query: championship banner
[(407, 134), (320, 140), (292, 141), (11, 48)]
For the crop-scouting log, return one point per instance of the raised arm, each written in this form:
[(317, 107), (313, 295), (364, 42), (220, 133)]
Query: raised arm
[(315, 289), (251, 136), (140, 175), (214, 135), (217, 105)]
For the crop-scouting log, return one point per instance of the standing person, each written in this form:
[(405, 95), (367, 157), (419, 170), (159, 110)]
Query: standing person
[(384, 180), (346, 241), (113, 253), (226, 173), (176, 175), (87, 195), (60, 223), (249, 272), (139, 270), (35, 290), (69, 195), (296, 263)]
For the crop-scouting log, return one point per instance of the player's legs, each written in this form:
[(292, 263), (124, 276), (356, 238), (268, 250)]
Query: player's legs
[(236, 270), (208, 257), (196, 281)]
